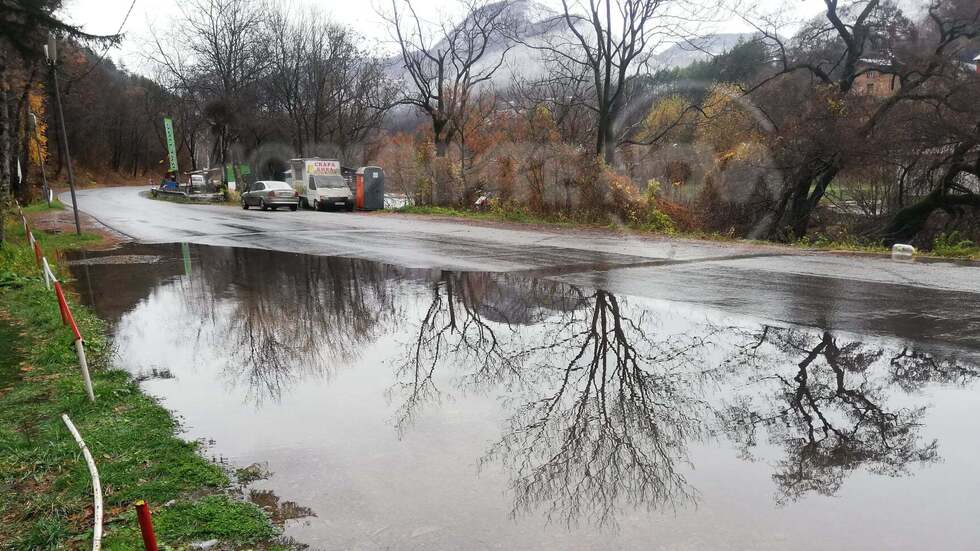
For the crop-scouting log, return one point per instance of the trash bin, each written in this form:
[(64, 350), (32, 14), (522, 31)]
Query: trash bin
[(369, 188)]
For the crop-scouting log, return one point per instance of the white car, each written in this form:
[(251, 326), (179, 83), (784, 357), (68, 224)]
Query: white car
[(324, 192)]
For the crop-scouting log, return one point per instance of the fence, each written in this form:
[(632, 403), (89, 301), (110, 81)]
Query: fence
[(52, 281)]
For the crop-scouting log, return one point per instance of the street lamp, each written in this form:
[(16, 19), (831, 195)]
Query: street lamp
[(51, 54)]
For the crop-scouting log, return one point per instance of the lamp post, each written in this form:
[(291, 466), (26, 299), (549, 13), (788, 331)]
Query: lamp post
[(51, 54), (40, 158)]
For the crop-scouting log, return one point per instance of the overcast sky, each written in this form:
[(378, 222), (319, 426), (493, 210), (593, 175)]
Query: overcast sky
[(106, 16)]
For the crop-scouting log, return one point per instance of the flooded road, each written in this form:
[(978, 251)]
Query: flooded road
[(432, 409)]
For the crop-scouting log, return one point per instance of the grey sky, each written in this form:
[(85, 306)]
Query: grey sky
[(105, 17)]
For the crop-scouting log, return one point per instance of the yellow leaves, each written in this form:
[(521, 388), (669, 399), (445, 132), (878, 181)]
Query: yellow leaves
[(669, 119), (728, 121), (836, 106), (37, 139)]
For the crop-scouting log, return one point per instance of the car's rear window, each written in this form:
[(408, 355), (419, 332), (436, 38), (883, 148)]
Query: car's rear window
[(277, 185)]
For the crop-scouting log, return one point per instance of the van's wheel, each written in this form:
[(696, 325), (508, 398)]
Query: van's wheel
[(244, 204), (350, 207)]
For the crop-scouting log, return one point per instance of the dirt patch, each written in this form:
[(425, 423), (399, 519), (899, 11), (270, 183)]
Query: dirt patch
[(63, 221), (279, 511)]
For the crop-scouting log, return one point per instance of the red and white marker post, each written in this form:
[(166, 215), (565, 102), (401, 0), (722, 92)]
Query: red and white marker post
[(79, 345)]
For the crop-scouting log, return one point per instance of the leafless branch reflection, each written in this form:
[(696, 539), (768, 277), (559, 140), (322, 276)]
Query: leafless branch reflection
[(287, 317), (832, 413), (617, 410), (473, 321)]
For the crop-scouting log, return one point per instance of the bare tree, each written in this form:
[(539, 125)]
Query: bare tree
[(216, 51), (606, 43), (852, 41), (331, 89), (445, 65)]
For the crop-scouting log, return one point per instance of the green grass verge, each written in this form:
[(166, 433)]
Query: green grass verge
[(493, 216), (951, 246), (955, 245), (45, 489), (41, 206), (521, 216)]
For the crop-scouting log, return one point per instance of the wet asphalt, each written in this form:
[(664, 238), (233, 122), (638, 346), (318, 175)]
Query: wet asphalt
[(930, 303)]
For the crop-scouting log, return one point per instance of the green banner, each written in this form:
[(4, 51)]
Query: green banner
[(243, 170), (168, 126)]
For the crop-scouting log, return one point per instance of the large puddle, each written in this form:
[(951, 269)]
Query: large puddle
[(415, 409)]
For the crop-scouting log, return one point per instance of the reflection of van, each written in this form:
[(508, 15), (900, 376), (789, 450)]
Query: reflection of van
[(320, 184)]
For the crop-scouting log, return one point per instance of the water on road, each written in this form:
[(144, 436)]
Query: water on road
[(431, 409)]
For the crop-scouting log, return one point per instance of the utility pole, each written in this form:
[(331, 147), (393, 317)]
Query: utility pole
[(40, 158), (51, 53)]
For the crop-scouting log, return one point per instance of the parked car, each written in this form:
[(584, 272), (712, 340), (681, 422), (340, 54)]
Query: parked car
[(270, 194)]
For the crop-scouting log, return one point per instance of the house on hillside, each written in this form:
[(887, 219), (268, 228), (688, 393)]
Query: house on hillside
[(969, 59), (871, 81)]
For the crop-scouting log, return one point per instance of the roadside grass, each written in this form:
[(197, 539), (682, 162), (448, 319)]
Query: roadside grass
[(847, 244), (500, 215), (45, 489), (656, 226), (951, 246), (41, 206), (521, 216), (954, 245)]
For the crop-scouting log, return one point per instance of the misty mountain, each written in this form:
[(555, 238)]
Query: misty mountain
[(536, 27)]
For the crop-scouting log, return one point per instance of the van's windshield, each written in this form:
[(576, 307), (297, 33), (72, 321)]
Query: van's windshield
[(329, 181)]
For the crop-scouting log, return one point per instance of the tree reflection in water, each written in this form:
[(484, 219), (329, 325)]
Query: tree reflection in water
[(603, 397), (609, 403), (474, 320), (604, 409), (616, 410), (286, 317), (830, 413)]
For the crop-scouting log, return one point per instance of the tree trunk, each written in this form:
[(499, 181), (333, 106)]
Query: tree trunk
[(605, 146), (908, 222), (442, 147), (440, 136), (802, 193), (5, 131)]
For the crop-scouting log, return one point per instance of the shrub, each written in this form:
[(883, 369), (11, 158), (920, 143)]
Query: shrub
[(954, 245)]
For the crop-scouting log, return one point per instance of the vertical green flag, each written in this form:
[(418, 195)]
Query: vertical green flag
[(168, 126)]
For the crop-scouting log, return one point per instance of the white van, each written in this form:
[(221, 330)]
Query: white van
[(320, 184)]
